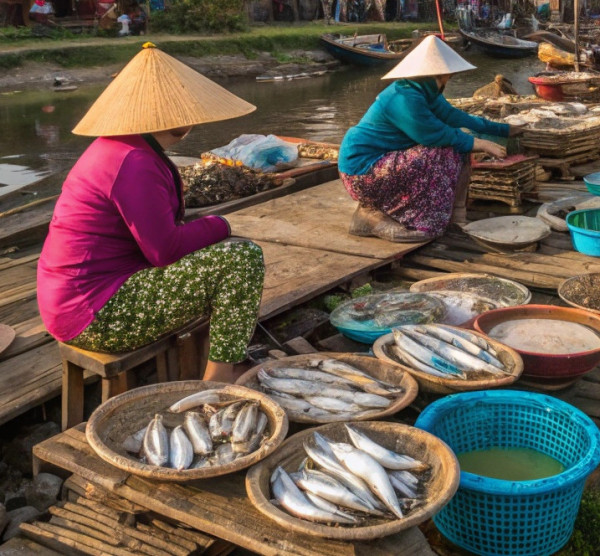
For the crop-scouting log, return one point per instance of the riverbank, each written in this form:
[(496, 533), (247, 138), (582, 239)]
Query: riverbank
[(34, 63)]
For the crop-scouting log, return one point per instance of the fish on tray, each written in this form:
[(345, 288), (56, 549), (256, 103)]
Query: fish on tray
[(442, 351), (326, 389), (204, 438), (347, 483)]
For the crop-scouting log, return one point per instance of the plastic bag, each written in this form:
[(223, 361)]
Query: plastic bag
[(262, 152)]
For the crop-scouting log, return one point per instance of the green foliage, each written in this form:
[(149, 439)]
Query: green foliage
[(190, 16), (362, 290), (585, 540), (333, 301)]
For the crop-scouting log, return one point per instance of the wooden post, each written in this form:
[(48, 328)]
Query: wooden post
[(72, 395), (576, 21)]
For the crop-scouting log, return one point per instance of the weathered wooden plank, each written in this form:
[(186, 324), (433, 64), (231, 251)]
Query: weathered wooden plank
[(217, 506), (318, 219), (30, 334), (19, 311), (296, 274)]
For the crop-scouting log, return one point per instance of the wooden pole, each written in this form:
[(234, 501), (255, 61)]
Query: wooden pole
[(439, 16), (576, 21)]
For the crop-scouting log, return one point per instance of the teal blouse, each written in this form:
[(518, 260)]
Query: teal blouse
[(405, 114)]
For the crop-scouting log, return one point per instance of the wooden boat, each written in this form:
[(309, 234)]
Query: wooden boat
[(494, 43), (366, 50)]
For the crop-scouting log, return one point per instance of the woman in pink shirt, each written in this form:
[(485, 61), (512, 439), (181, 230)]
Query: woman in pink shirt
[(120, 268)]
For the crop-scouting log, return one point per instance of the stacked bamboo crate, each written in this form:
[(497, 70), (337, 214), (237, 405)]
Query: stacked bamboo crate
[(505, 180), (573, 141), (93, 521)]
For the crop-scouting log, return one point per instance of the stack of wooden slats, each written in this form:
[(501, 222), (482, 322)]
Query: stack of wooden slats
[(93, 521), (503, 180)]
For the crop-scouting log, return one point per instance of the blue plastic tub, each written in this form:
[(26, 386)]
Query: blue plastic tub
[(514, 518), (592, 182), (584, 226)]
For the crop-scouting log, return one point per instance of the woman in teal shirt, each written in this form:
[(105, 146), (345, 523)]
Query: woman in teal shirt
[(406, 161)]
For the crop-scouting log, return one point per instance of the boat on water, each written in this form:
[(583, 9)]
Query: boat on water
[(366, 50), (494, 43)]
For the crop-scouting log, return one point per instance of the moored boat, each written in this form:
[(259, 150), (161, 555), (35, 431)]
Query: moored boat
[(496, 44), (366, 50)]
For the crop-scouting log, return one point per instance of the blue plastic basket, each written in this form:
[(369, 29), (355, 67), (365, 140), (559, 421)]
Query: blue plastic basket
[(514, 518), (584, 226), (592, 182)]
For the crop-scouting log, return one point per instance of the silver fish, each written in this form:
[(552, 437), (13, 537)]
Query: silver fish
[(220, 424), (133, 443), (414, 350), (289, 386), (458, 341), (405, 476), (364, 399), (387, 458), (328, 506), (463, 360), (194, 400), (358, 377), (245, 423), (402, 487), (156, 442), (323, 455), (364, 466), (224, 454), (407, 359), (473, 338), (332, 404), (181, 452), (256, 437), (200, 463), (197, 432), (312, 375), (325, 486), (291, 498)]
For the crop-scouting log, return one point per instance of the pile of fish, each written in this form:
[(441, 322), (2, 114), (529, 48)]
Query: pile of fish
[(326, 390), (387, 310), (208, 437), (442, 351), (342, 483)]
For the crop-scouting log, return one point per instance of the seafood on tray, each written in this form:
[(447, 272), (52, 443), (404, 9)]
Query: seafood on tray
[(348, 483), (209, 436), (442, 351), (326, 389)]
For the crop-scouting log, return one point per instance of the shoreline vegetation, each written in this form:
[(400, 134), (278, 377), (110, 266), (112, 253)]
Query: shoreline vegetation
[(261, 46)]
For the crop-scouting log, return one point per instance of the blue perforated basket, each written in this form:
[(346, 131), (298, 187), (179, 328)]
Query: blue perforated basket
[(514, 518)]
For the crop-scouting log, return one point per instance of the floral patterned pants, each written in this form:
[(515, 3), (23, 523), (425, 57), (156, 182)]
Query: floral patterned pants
[(224, 280), (416, 187)]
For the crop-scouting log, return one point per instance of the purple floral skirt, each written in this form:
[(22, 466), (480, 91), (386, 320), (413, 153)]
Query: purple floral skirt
[(416, 187)]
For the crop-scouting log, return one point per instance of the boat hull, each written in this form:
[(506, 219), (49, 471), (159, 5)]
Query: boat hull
[(361, 56), (498, 50)]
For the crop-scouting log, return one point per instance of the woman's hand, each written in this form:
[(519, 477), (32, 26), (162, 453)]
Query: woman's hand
[(489, 147), (516, 129)]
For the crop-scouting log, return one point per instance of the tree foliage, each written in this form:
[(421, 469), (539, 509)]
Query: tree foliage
[(191, 16)]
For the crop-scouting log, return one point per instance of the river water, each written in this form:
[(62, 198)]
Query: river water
[(37, 147)]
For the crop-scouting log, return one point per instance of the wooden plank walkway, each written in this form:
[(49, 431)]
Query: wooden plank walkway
[(298, 269), (218, 507)]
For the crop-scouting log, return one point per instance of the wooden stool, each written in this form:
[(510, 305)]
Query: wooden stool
[(177, 356)]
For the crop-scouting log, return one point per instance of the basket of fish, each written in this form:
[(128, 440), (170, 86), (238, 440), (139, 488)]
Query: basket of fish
[(446, 359), (327, 387), (182, 431), (355, 481), (366, 318)]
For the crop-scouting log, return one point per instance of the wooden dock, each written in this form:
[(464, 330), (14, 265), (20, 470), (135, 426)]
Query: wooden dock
[(307, 252), (300, 265)]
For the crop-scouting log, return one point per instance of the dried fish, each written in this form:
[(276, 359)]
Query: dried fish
[(194, 400), (156, 442), (198, 433), (181, 452)]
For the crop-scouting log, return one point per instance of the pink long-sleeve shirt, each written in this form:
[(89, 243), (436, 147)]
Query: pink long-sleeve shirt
[(117, 214)]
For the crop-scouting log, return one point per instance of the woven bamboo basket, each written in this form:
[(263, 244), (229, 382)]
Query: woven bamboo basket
[(127, 413), (388, 372), (439, 486), (442, 385)]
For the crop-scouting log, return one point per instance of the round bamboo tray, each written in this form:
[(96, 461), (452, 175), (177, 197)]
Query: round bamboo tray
[(127, 413), (441, 385), (379, 369), (440, 486)]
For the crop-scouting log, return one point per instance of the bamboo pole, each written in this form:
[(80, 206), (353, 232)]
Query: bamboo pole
[(576, 21)]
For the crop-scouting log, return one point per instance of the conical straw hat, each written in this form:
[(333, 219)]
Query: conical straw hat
[(432, 57), (156, 92)]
